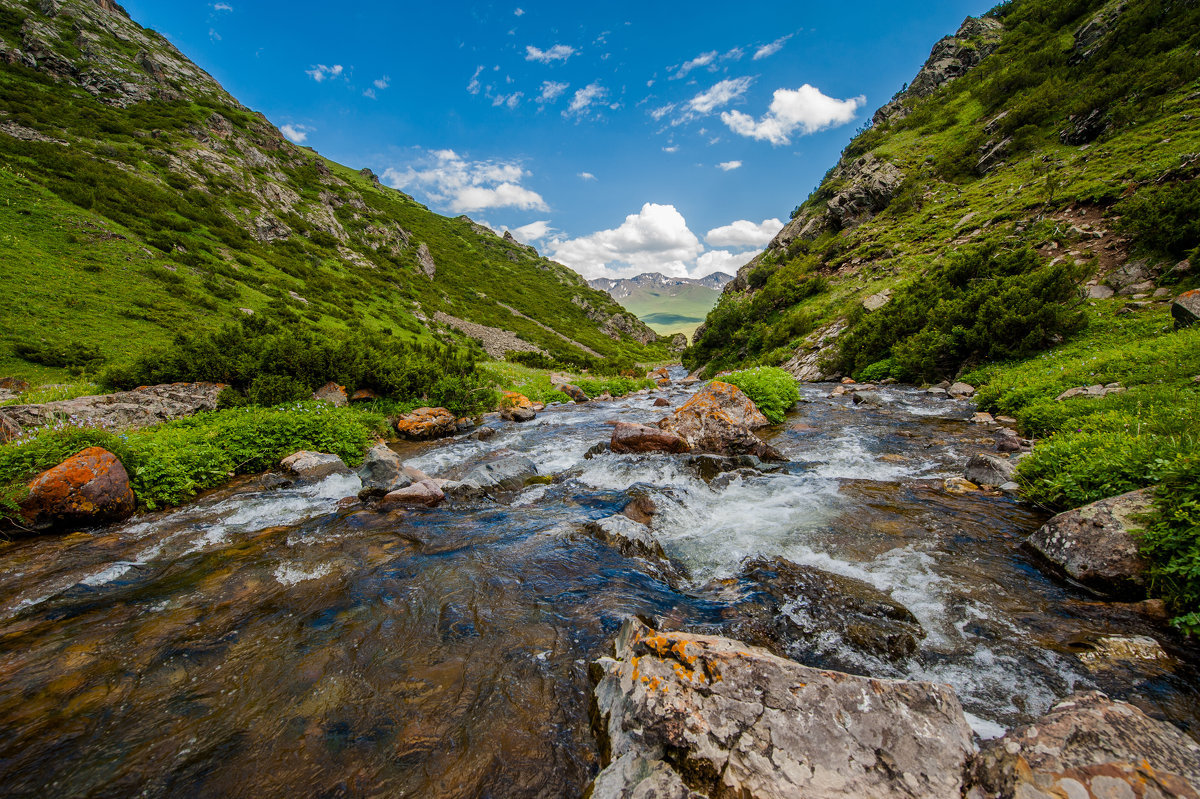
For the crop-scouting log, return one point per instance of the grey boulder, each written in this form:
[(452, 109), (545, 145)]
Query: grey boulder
[(989, 470)]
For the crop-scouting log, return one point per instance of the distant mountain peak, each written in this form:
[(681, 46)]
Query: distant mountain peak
[(619, 288)]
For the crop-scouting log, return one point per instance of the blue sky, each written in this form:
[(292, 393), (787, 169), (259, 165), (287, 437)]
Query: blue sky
[(616, 137)]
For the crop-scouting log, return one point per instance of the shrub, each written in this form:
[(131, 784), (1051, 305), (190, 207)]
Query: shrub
[(1163, 220), (1171, 541), (276, 389), (69, 354), (773, 390)]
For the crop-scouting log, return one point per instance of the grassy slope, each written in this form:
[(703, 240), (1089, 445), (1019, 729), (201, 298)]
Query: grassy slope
[(668, 313)]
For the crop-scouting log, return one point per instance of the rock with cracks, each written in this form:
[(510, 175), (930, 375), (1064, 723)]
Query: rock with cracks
[(382, 471), (142, 407), (308, 465), (732, 720), (425, 423)]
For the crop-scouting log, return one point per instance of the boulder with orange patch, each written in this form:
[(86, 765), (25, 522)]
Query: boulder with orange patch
[(719, 419), (426, 423), (89, 488)]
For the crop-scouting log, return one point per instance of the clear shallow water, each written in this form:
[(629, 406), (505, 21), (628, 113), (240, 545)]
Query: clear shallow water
[(273, 643)]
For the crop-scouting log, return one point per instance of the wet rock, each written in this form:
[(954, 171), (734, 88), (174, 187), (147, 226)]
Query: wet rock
[(142, 407), (425, 494), (332, 393), (273, 480), (868, 398), (595, 450), (692, 379), (382, 471), (989, 470), (505, 473), (661, 403), (733, 720), (1093, 544), (641, 509), (516, 413), (1114, 649), (718, 419), (463, 489), (660, 373), (961, 390), (1088, 746), (572, 391), (484, 434), (1186, 309), (415, 474), (307, 465), (709, 467), (630, 537), (630, 437), (958, 485), (91, 487), (937, 393), (424, 423)]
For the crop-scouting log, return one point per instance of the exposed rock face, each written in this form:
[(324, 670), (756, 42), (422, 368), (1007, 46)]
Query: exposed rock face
[(1186, 309), (677, 343), (496, 342), (382, 471), (1084, 128), (309, 465), (989, 470), (805, 365), (425, 423), (869, 186), (332, 393), (1093, 544), (1090, 36), (718, 419), (91, 487), (1089, 746), (728, 720), (629, 437), (425, 261), (142, 407)]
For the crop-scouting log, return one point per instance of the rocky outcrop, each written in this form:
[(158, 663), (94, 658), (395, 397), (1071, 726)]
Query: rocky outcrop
[(1094, 545), (1084, 128), (308, 465), (425, 261), (719, 419), (1090, 36), (89, 488), (629, 437), (867, 186), (142, 407), (1186, 309), (1089, 746), (702, 716), (425, 423), (806, 365)]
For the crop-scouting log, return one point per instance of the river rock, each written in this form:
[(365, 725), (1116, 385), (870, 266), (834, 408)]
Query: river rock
[(1093, 544), (868, 398), (630, 537), (660, 373), (505, 473), (736, 721), (961, 390), (1088, 746), (718, 419), (308, 465), (1186, 309), (425, 494), (332, 393), (661, 402), (382, 471), (630, 437), (91, 487), (142, 407), (425, 423), (516, 413), (572, 391), (989, 470)]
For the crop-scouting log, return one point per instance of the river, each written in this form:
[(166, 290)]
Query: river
[(286, 641)]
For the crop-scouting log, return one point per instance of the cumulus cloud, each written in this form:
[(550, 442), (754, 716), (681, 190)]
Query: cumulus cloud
[(320, 72), (805, 110), (656, 239), (768, 50), (744, 233), (729, 166), (510, 100), (586, 176), (702, 60), (722, 261), (551, 91), (462, 186), (534, 231), (719, 95), (296, 133), (584, 98), (559, 52)]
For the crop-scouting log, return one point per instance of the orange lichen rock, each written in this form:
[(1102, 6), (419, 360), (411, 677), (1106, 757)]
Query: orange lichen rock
[(426, 423), (91, 487)]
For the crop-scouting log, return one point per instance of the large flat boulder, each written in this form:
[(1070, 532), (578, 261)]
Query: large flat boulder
[(504, 473), (142, 407), (308, 465), (730, 720), (1093, 544), (89, 488), (1089, 746), (425, 423)]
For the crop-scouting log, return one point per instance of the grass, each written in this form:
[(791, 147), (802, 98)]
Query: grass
[(535, 383), (55, 393), (668, 313)]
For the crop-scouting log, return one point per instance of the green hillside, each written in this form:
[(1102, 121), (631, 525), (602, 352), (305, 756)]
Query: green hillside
[(141, 200), (667, 312)]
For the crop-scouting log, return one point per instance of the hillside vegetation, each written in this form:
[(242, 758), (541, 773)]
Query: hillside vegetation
[(1043, 160)]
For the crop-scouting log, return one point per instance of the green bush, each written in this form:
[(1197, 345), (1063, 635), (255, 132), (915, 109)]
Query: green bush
[(773, 390), (73, 355), (1171, 541), (275, 389), (1163, 220)]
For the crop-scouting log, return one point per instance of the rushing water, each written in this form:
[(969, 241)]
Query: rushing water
[(286, 642)]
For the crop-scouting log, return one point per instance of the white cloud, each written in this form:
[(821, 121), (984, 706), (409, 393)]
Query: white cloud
[(534, 231), (212, 34), (296, 133), (520, 12), (382, 83), (744, 233), (734, 55), (551, 91), (662, 111), (805, 110), (729, 166), (222, 7), (674, 148), (721, 261), (510, 100), (584, 98), (462, 186), (586, 176), (702, 60), (656, 239), (768, 50), (369, 93), (320, 72), (559, 52), (473, 87), (721, 94)]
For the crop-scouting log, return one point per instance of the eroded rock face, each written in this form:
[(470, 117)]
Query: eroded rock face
[(630, 437), (142, 407), (732, 720), (1089, 746), (1093, 544), (718, 419), (869, 186), (91, 487), (425, 423)]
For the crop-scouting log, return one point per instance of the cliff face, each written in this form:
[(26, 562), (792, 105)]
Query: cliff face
[(120, 132)]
